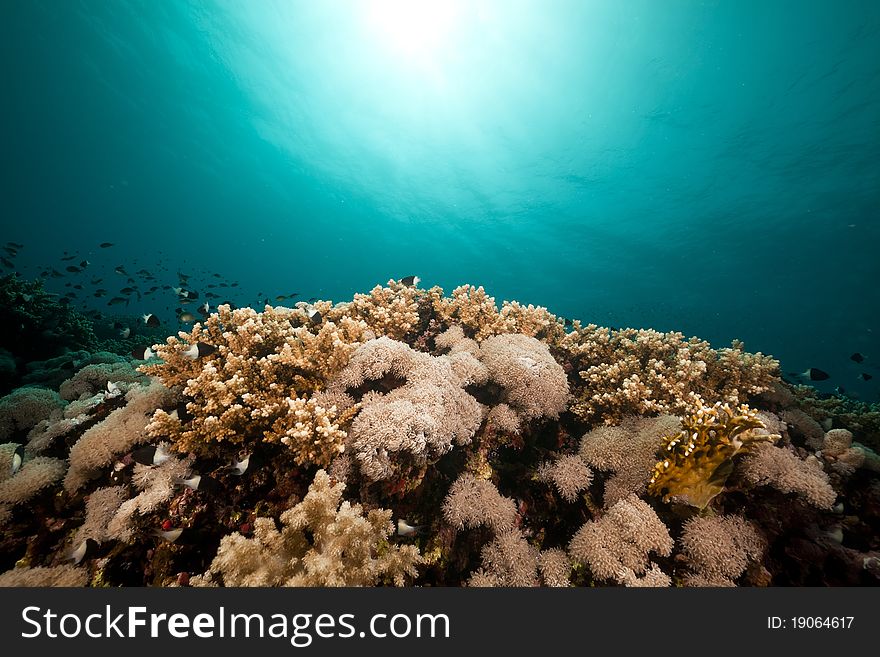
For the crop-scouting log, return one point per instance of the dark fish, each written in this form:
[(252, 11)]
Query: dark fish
[(314, 316), (814, 374), (151, 320), (105, 245), (12, 252), (67, 258), (84, 264), (410, 280), (85, 550), (117, 300), (7, 263), (865, 377), (204, 308), (96, 281), (186, 317), (313, 299), (150, 455), (233, 285), (121, 271), (126, 290), (211, 295), (71, 295), (100, 293), (216, 275), (56, 274), (224, 284), (73, 270), (77, 287), (143, 272), (182, 413), (14, 245), (142, 353), (202, 482), (199, 350), (857, 357), (125, 333)]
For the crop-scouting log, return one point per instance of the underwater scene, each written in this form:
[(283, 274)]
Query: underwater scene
[(440, 293)]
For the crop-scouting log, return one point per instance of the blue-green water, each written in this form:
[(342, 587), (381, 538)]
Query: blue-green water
[(708, 167)]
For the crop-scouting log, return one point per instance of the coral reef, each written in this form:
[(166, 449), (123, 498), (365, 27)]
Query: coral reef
[(407, 437), (697, 461), (323, 541)]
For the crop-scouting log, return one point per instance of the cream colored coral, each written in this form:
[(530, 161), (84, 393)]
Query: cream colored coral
[(643, 372), (621, 539), (415, 423), (34, 476), (257, 385), (783, 470), (322, 541), (123, 429), (720, 548), (54, 576), (473, 502), (392, 311), (568, 473)]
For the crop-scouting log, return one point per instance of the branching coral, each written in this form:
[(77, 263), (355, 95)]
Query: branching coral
[(642, 372), (508, 560), (696, 462), (323, 541), (256, 385), (392, 311)]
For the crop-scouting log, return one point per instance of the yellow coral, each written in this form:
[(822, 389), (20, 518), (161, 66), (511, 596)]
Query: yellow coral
[(698, 460)]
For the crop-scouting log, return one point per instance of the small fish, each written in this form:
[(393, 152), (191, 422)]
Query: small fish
[(77, 287), (96, 281), (182, 413), (204, 308), (113, 389), (186, 318), (11, 251), (68, 258), (240, 467), (17, 457), (857, 357), (125, 333), (7, 263), (201, 482), (313, 300), (105, 245), (142, 353), (314, 316), (117, 300), (150, 455), (121, 270), (840, 390), (405, 529), (814, 374), (56, 274), (281, 297), (410, 281), (199, 350), (100, 293), (151, 320), (170, 536), (865, 377), (84, 264), (73, 269), (15, 245), (85, 550)]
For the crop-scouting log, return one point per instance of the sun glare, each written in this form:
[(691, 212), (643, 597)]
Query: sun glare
[(415, 28)]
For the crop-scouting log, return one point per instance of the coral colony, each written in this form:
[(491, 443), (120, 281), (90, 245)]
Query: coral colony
[(407, 437)]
